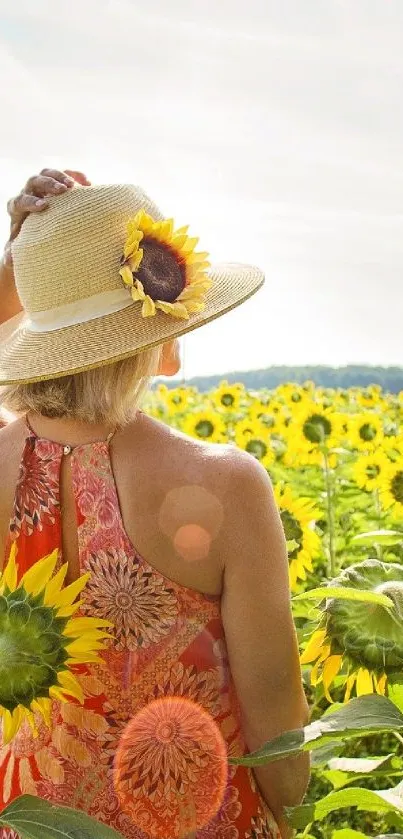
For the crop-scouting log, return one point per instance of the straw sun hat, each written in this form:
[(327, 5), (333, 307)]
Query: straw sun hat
[(101, 276)]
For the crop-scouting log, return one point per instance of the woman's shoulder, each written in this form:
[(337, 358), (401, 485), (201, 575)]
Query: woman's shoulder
[(221, 467), (11, 434)]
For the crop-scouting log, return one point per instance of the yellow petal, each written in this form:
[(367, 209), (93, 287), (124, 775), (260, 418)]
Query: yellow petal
[(67, 595), (330, 669), (199, 256), (380, 684), (189, 293), (126, 275), (84, 658), (132, 243), (80, 646), (194, 306), (148, 307), (11, 722), (164, 230), (178, 240), (54, 585), (135, 261), (182, 231), (364, 682), (10, 571), (71, 685), (176, 310), (190, 244), (37, 577), (315, 676), (79, 625), (56, 693), (145, 223), (349, 686), (137, 291), (68, 611), (43, 706), (313, 646)]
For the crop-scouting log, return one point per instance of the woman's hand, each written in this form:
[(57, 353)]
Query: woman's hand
[(33, 198)]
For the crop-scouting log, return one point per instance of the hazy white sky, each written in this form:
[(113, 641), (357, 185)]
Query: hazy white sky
[(275, 127)]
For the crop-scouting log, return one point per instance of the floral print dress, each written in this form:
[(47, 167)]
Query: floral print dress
[(167, 641)]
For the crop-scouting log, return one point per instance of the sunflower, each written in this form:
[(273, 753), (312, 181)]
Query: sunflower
[(369, 397), (177, 399), (391, 487), (366, 431), (227, 397), (40, 641), (298, 516), (369, 469), (271, 415), (254, 437), (293, 395), (361, 641), (317, 426), (180, 288), (205, 425)]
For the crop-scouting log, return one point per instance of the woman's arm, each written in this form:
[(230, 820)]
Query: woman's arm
[(31, 199), (260, 633)]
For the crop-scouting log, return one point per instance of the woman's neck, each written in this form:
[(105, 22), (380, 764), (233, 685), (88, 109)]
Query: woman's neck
[(68, 431)]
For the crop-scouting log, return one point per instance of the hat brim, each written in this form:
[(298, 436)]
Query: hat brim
[(27, 356)]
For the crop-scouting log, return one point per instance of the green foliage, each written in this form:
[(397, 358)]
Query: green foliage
[(381, 802), (34, 818), (362, 716)]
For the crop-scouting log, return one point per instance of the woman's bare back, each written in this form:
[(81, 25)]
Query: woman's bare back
[(173, 493)]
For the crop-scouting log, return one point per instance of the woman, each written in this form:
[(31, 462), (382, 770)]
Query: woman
[(182, 539)]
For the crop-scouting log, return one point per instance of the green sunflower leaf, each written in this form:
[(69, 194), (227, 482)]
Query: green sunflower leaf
[(380, 537), (348, 833), (344, 771), (370, 714), (34, 818), (383, 801), (341, 593)]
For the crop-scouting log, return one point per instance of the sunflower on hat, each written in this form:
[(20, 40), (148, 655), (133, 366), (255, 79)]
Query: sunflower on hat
[(166, 272)]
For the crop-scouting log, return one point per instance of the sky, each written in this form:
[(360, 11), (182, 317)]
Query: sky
[(273, 127)]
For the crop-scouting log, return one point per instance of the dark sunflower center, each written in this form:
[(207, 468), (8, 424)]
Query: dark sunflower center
[(396, 487), (31, 649), (367, 432), (316, 428), (372, 470), (296, 397), (227, 399), (204, 428), (292, 530), (162, 276), (256, 447)]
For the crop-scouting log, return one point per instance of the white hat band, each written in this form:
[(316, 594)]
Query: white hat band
[(79, 311)]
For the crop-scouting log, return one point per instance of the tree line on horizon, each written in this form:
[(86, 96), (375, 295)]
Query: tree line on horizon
[(389, 378)]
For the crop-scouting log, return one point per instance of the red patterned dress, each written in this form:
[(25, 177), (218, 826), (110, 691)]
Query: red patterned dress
[(168, 641)]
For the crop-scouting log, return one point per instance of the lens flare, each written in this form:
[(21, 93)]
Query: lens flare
[(170, 769), (192, 542)]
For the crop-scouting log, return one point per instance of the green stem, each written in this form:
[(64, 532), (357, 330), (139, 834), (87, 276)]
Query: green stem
[(330, 519), (378, 548)]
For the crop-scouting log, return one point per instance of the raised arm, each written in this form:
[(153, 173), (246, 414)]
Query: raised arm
[(31, 199), (260, 633)]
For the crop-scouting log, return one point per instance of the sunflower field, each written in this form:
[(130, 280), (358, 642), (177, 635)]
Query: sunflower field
[(335, 459)]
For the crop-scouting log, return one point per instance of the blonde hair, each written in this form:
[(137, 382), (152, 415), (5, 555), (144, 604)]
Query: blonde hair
[(111, 393)]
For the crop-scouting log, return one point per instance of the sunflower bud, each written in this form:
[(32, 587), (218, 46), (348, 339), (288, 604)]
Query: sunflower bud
[(369, 634)]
